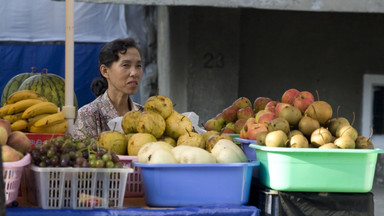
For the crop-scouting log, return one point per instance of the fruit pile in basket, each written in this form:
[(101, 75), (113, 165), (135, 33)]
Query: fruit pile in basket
[(66, 151), (296, 121), (14, 144), (30, 111), (161, 124)]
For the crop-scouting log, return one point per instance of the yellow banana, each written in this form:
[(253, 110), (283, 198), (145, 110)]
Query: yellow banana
[(19, 125), (56, 128), (50, 120), (24, 94), (14, 117), (4, 110), (40, 108), (22, 105), (32, 120)]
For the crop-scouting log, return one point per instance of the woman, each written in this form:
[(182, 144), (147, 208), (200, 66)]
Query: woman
[(121, 70)]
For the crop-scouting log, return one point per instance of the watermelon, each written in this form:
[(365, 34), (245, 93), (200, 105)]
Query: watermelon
[(51, 86), (14, 83)]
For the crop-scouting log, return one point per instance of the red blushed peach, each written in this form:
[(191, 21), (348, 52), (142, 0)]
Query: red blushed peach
[(255, 129), (289, 96)]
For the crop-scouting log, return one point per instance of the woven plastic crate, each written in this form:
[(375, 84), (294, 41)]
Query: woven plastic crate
[(12, 173), (80, 188), (39, 138), (134, 186)]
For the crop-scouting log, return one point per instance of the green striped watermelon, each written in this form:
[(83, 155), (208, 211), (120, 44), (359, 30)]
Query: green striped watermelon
[(52, 86), (14, 83)]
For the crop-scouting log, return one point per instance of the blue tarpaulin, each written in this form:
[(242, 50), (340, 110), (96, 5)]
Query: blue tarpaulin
[(222, 210), (16, 58)]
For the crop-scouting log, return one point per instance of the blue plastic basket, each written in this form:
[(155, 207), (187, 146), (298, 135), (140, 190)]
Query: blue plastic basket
[(171, 185), (248, 151)]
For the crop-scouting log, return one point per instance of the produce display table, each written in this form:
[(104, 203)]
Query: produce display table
[(136, 206)]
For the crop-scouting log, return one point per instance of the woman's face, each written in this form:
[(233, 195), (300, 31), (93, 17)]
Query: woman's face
[(125, 75)]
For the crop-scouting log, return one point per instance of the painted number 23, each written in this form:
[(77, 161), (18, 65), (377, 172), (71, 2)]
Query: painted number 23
[(213, 60)]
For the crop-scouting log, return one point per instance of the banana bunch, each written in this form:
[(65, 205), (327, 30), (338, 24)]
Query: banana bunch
[(29, 111)]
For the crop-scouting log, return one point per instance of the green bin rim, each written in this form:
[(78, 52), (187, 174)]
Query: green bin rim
[(314, 150)]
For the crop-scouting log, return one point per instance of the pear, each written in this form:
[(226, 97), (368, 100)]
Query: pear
[(319, 110), (177, 124), (213, 124), (129, 121), (276, 139), (167, 139), (292, 133), (321, 136), (347, 130), (5, 131), (9, 154), (191, 154), (19, 141), (260, 138), (335, 123), (137, 141), (329, 146), (114, 141), (278, 124), (299, 141), (213, 139), (147, 149), (206, 135), (161, 156), (242, 102), (307, 125), (345, 142), (191, 139), (291, 114), (151, 122), (363, 142), (160, 104)]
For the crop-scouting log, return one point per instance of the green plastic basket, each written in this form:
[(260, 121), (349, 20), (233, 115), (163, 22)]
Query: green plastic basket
[(317, 170)]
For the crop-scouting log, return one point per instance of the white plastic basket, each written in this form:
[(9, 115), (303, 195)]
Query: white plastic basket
[(134, 186), (80, 188), (12, 173)]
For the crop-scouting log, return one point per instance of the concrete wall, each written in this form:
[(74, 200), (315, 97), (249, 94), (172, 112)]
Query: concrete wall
[(268, 51), (204, 52)]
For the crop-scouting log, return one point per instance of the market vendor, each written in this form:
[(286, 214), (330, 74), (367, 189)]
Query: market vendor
[(121, 70)]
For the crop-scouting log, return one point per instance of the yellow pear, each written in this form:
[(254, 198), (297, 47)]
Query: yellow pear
[(177, 124), (151, 122), (191, 139), (114, 141), (137, 141), (129, 121)]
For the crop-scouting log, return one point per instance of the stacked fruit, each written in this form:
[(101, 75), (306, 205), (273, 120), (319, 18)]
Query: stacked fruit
[(231, 119), (159, 122), (29, 111), (14, 144), (66, 151), (160, 152), (298, 121)]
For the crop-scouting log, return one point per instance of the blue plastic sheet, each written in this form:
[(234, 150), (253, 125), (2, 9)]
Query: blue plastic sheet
[(218, 210), (16, 58)]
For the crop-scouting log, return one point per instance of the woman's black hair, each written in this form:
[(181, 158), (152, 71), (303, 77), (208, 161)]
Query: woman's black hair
[(109, 54)]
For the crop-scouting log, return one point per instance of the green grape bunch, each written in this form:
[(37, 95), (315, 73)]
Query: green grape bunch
[(67, 151)]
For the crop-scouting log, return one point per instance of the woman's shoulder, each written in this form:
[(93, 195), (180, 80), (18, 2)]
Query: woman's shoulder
[(92, 107)]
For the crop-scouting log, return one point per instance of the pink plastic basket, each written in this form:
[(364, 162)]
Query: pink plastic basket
[(12, 173), (134, 186)]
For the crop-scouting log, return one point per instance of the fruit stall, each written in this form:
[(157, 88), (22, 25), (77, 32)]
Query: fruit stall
[(161, 162), (291, 155)]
